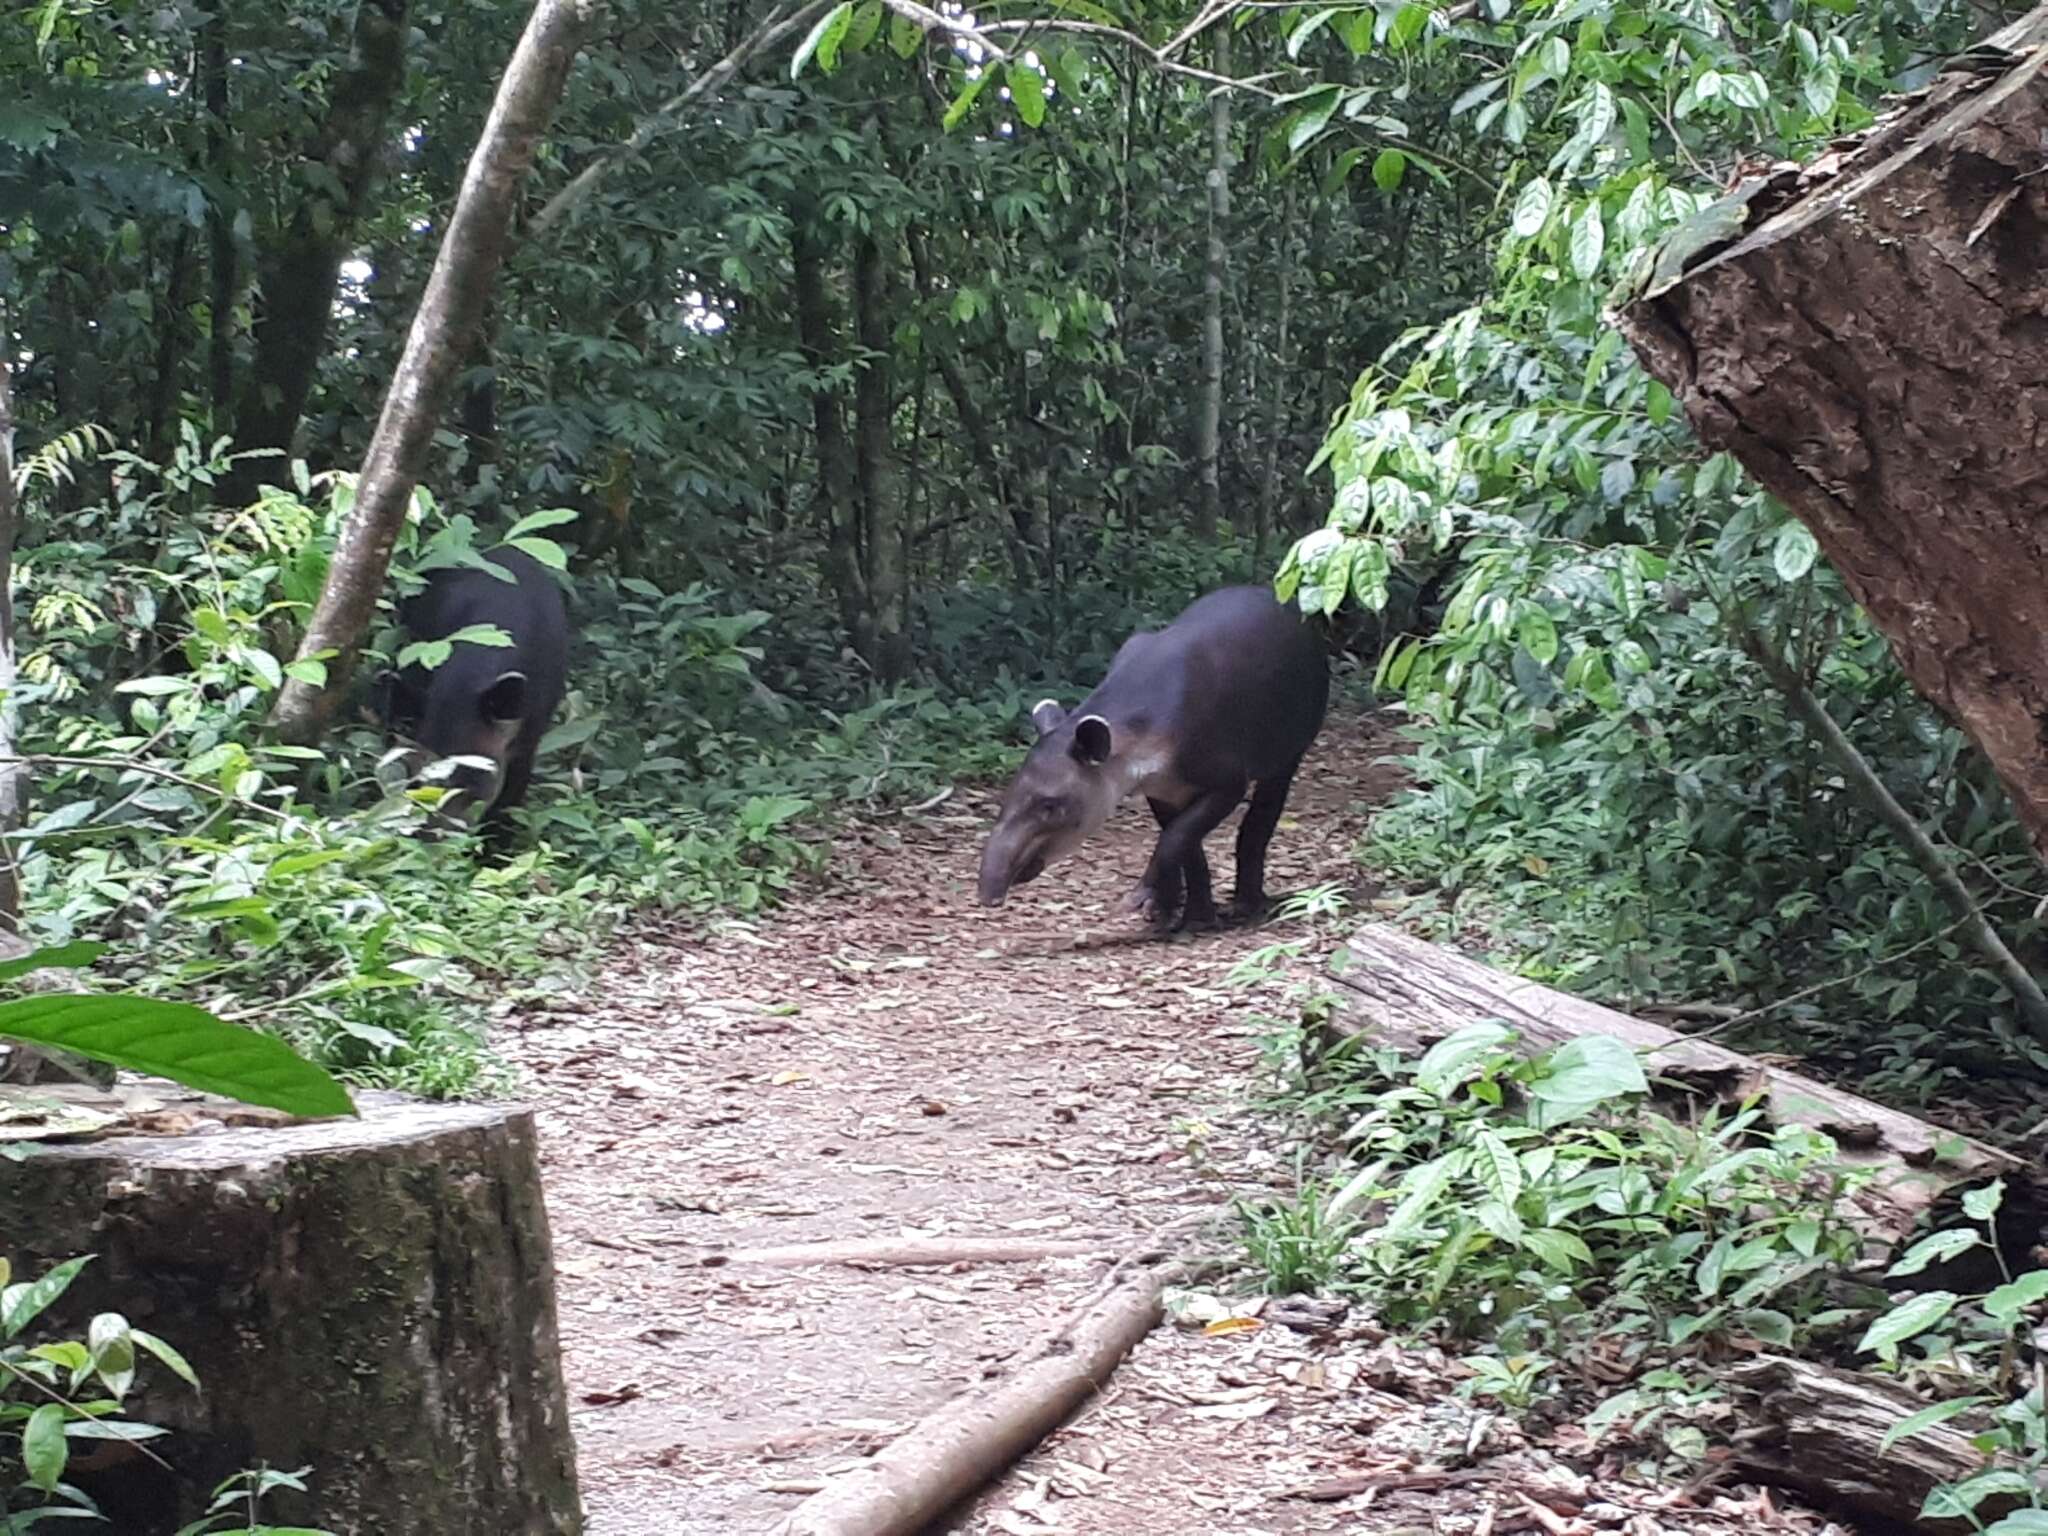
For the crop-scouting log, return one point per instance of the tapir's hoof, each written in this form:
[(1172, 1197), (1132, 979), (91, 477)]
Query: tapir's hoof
[(1201, 919), (1250, 909), (1143, 902)]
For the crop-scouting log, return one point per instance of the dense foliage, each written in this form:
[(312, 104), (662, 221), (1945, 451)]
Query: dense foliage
[(869, 397)]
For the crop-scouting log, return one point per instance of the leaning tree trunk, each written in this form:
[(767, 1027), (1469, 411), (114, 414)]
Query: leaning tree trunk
[(449, 315), (372, 1299), (1870, 347)]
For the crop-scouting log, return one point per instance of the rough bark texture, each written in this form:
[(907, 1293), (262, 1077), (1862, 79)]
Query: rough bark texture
[(1413, 993), (298, 281), (1874, 352), (371, 1298), (1823, 1435), (836, 510), (881, 509), (450, 313)]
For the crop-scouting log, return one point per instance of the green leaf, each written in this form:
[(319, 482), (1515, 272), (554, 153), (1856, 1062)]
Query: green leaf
[(1981, 1203), (1588, 243), (1532, 208), (2007, 1302), (69, 957), (1659, 403), (1369, 571), (904, 35), (1066, 74), (180, 1042), (44, 1449), (867, 21), (1907, 1320), (1938, 1248), (1443, 1065), (1537, 632), (822, 40), (1027, 92), (169, 1356), (1958, 1501), (2021, 1522), (1388, 168), (1793, 551), (1408, 24), (1310, 120), (1590, 1069), (1425, 1186), (544, 551), (1496, 1167), (533, 522), (22, 1304), (1561, 1251), (964, 102), (1927, 1418), (1307, 30)]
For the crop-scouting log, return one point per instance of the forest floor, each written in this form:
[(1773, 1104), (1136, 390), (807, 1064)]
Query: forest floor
[(885, 1058)]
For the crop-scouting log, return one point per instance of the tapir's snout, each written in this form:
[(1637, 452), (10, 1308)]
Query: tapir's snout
[(1002, 869)]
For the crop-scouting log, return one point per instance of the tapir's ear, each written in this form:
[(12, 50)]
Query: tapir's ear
[(1046, 716), (505, 700), (1092, 740)]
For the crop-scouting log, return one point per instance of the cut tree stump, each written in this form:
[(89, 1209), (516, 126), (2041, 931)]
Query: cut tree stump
[(1868, 336), (1822, 1435), (1411, 993), (372, 1299)]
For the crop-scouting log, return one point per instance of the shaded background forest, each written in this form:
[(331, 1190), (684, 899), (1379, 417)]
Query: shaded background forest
[(882, 409)]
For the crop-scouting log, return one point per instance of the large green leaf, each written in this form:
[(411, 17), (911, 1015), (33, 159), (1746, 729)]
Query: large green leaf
[(175, 1040), (70, 957)]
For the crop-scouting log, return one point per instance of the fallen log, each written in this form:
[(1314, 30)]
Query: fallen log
[(1409, 992), (372, 1299), (1863, 334), (953, 1454), (1820, 1432)]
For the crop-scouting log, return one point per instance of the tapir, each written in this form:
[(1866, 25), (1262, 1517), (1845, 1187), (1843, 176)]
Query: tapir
[(1229, 695), (488, 702)]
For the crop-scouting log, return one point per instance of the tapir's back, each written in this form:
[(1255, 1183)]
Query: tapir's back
[(1238, 683)]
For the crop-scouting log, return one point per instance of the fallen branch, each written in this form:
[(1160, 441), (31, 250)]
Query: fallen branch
[(958, 1450), (913, 1252)]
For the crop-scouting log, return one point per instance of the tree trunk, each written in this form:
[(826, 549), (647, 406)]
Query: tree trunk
[(1209, 427), (836, 511), (1276, 426), (13, 773), (875, 414), (371, 1298), (222, 275), (1410, 993), (298, 282), (449, 314), (1869, 347)]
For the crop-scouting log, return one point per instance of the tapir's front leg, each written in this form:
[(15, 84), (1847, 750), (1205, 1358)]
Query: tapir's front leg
[(1182, 838)]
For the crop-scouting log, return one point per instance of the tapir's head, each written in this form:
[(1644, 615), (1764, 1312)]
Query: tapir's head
[(1060, 798), (461, 719)]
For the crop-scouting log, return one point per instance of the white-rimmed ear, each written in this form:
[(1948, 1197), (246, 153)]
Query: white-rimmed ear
[(505, 700), (1047, 716), (1092, 740)]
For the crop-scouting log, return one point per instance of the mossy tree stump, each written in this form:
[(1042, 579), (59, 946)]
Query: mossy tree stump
[(373, 1299)]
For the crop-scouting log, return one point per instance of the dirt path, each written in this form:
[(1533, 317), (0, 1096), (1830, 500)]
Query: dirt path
[(884, 1059)]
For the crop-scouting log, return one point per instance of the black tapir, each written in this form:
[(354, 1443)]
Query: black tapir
[(1230, 694), (484, 701)]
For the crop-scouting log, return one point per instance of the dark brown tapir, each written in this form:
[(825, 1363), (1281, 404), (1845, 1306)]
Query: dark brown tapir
[(1229, 695)]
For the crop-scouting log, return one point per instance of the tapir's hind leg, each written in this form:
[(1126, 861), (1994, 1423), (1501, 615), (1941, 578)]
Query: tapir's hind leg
[(1268, 801)]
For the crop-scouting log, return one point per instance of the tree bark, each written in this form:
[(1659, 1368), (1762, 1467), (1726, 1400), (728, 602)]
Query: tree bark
[(1410, 993), (450, 312), (1209, 426), (223, 275), (13, 771), (298, 281), (875, 414), (1869, 348), (1276, 427), (836, 509), (1823, 1436), (371, 1298)]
